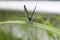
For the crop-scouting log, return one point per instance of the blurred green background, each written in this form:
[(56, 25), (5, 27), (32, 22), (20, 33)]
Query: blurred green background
[(6, 30)]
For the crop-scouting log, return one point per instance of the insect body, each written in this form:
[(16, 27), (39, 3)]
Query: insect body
[(29, 18)]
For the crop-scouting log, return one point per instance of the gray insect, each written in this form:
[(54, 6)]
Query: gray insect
[(29, 18)]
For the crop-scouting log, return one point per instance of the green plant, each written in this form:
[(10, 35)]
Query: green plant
[(47, 24)]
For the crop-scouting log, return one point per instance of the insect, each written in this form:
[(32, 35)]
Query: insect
[(29, 18)]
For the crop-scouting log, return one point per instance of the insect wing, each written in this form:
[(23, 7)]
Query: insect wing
[(27, 14), (33, 12)]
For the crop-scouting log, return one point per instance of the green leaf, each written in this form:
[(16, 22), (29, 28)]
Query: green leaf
[(19, 22), (45, 27)]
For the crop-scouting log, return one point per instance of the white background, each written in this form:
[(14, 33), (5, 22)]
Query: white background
[(43, 6)]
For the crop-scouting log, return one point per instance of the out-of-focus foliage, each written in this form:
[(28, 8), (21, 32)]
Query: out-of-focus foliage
[(42, 18), (53, 19)]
